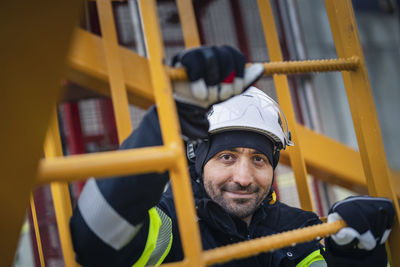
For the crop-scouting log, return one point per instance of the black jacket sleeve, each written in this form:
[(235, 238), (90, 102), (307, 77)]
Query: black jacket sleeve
[(131, 197)]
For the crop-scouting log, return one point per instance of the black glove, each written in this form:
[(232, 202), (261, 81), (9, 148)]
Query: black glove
[(369, 222), (215, 74)]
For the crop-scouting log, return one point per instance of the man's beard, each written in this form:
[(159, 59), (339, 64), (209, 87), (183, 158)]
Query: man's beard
[(240, 207)]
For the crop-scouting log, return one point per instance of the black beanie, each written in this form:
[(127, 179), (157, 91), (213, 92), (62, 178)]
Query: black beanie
[(232, 139)]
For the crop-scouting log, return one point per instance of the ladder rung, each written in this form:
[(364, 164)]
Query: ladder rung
[(103, 164), (272, 242), (291, 67)]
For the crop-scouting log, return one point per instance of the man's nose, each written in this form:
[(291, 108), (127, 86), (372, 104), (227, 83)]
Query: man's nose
[(242, 173)]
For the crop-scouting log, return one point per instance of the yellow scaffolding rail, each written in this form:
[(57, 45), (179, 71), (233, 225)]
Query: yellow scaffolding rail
[(37, 232), (60, 192), (113, 71), (365, 120)]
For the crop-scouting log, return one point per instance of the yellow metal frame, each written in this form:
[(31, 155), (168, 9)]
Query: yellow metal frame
[(283, 92), (37, 231), (362, 107), (189, 26), (60, 193), (186, 214), (116, 76), (100, 64), (87, 67)]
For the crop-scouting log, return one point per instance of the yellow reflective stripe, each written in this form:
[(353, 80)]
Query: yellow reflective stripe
[(314, 259), (155, 224)]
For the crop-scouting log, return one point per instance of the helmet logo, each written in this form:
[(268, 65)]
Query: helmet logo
[(211, 111)]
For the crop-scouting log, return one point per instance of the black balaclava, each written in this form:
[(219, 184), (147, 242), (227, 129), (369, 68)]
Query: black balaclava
[(230, 139)]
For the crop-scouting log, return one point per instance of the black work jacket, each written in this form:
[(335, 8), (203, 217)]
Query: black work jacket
[(218, 229)]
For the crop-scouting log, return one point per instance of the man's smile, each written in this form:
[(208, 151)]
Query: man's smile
[(239, 194)]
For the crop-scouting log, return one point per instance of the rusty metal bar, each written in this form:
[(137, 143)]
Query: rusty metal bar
[(306, 66), (292, 67), (273, 242)]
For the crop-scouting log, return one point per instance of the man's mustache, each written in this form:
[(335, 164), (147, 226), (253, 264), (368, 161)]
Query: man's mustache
[(234, 187)]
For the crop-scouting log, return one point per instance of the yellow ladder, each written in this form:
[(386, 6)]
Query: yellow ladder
[(114, 69)]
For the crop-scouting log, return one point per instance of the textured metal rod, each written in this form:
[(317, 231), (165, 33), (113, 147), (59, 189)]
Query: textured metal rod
[(292, 67), (269, 243), (305, 66)]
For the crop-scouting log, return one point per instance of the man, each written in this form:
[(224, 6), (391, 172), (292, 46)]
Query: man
[(131, 221)]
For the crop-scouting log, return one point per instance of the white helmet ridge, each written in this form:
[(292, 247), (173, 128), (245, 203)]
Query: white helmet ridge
[(253, 110)]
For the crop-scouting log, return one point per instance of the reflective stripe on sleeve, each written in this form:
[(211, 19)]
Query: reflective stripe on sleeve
[(159, 239), (314, 259), (319, 263), (102, 219), (164, 240)]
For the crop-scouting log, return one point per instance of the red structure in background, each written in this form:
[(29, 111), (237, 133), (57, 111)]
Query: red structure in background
[(74, 138), (109, 121), (47, 224), (76, 141)]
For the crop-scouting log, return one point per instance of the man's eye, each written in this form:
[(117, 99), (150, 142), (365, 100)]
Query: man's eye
[(226, 157), (258, 159)]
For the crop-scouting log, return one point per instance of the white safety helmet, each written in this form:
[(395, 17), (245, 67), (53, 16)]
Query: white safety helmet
[(252, 110)]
